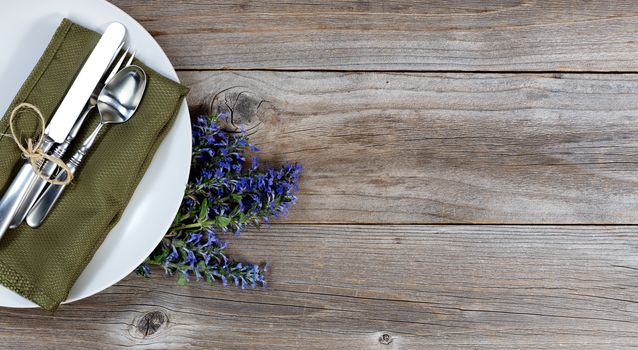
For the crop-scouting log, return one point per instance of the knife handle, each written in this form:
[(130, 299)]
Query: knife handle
[(13, 196)]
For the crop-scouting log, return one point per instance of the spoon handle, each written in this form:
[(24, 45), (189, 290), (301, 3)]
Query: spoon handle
[(49, 197), (86, 146), (47, 200)]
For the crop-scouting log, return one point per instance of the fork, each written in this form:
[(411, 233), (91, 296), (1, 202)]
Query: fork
[(40, 210), (50, 168)]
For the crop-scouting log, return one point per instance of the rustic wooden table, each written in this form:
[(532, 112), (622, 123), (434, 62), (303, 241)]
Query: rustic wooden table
[(470, 179)]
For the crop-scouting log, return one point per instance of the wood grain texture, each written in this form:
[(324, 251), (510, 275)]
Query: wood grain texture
[(442, 148), (485, 137), (394, 35), (344, 287)]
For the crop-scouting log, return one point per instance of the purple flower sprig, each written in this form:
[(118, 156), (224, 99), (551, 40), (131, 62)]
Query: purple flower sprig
[(223, 195)]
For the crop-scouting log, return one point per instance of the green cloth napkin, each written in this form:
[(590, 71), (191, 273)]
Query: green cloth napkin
[(43, 264)]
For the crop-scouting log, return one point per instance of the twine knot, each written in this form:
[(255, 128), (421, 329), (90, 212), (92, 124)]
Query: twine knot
[(32, 151)]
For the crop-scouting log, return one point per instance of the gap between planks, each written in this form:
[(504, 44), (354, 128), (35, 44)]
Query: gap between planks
[(403, 71)]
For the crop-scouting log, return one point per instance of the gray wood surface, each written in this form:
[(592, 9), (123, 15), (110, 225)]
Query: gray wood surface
[(407, 234), (443, 148), (344, 287), (409, 35)]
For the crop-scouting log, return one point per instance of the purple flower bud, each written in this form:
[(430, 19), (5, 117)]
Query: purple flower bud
[(232, 191), (194, 238)]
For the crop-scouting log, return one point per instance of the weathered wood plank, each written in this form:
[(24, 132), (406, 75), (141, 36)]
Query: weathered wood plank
[(394, 35), (344, 287), (443, 148)]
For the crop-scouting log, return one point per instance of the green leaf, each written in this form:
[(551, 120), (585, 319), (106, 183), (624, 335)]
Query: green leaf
[(223, 221), (181, 280), (203, 211)]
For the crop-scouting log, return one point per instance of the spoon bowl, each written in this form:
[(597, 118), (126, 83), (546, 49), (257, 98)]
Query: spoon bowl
[(120, 97)]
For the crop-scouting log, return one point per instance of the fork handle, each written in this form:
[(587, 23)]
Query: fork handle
[(47, 168)]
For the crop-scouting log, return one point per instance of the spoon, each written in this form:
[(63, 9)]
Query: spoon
[(48, 168), (117, 103)]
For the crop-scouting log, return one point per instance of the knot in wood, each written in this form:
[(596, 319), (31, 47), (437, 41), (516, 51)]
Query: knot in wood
[(385, 339), (151, 323), (243, 107)]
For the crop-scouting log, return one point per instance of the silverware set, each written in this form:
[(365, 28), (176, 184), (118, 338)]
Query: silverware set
[(107, 81)]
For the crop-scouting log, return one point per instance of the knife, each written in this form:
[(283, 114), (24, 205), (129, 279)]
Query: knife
[(50, 195), (97, 63), (62, 122), (49, 168)]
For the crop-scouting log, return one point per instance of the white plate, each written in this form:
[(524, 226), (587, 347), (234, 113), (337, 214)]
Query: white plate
[(27, 27)]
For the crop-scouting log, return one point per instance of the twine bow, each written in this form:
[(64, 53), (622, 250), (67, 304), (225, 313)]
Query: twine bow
[(33, 153)]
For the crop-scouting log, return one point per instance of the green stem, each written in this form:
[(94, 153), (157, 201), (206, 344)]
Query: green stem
[(195, 225)]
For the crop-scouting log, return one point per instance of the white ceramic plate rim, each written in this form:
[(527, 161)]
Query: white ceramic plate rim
[(157, 198)]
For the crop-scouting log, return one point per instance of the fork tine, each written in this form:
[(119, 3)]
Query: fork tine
[(116, 67), (130, 60), (119, 49)]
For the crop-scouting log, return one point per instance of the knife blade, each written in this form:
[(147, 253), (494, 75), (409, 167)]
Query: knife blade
[(85, 82), (63, 119)]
